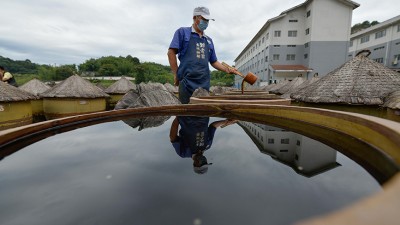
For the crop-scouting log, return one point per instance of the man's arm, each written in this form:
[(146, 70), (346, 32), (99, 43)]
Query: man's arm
[(173, 133), (173, 63), (217, 65), (223, 123)]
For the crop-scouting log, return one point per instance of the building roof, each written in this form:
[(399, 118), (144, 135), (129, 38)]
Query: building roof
[(390, 22), (393, 100), (291, 85), (358, 81), (273, 88), (9, 93), (35, 87), (347, 2), (122, 86), (302, 85), (354, 5), (290, 68), (170, 87), (74, 87)]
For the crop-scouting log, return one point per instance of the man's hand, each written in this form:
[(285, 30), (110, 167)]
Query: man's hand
[(231, 70), (229, 122), (223, 123)]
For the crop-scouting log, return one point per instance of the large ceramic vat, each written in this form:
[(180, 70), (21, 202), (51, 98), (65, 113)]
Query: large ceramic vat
[(373, 142)]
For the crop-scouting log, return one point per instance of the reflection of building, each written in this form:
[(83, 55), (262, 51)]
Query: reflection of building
[(305, 155)]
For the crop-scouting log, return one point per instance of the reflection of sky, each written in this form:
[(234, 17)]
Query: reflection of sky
[(113, 174)]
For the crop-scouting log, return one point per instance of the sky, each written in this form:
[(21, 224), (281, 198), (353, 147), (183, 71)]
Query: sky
[(58, 32)]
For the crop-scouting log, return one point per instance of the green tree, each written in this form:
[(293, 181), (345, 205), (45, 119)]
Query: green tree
[(373, 23), (360, 26), (140, 75), (90, 65), (219, 78), (63, 72), (19, 66), (108, 70), (132, 59), (46, 73)]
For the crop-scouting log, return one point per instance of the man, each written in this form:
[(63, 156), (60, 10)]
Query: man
[(194, 138), (195, 50), (7, 77)]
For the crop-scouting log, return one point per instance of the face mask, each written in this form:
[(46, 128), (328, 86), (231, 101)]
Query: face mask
[(202, 25)]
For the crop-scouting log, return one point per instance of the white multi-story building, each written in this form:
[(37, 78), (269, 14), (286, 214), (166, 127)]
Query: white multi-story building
[(312, 37), (383, 40)]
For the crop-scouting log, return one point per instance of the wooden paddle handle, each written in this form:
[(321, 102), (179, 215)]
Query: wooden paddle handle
[(230, 67)]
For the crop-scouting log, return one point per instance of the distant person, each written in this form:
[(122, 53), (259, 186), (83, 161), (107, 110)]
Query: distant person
[(7, 77), (194, 138), (195, 50)]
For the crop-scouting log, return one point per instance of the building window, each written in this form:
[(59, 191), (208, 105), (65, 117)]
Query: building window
[(276, 56), (305, 56), (298, 143), (308, 13), (292, 46), (277, 33), (380, 34), (364, 39), (379, 48), (285, 141), (351, 43), (379, 60), (396, 59), (293, 21), (263, 40), (307, 31), (292, 33), (398, 28), (277, 46), (266, 58), (267, 36), (284, 150), (350, 56), (270, 140), (290, 57), (306, 45)]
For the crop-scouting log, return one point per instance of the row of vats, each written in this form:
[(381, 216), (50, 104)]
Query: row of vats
[(73, 96), (360, 81)]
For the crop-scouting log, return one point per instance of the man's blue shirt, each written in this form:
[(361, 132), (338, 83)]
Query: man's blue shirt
[(181, 39), (182, 147)]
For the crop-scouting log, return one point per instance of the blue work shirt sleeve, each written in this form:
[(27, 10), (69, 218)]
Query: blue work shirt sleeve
[(180, 40), (177, 40)]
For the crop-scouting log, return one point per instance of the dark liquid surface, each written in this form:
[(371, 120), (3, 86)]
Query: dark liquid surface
[(112, 173)]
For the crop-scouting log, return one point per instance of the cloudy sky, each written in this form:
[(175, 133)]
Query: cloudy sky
[(72, 31)]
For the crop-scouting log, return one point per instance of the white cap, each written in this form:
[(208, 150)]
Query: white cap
[(202, 11)]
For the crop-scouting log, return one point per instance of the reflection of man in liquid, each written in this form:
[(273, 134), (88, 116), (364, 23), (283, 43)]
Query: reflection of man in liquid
[(194, 138)]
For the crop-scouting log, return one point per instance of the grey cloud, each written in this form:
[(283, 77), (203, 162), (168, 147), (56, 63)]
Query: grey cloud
[(73, 31)]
